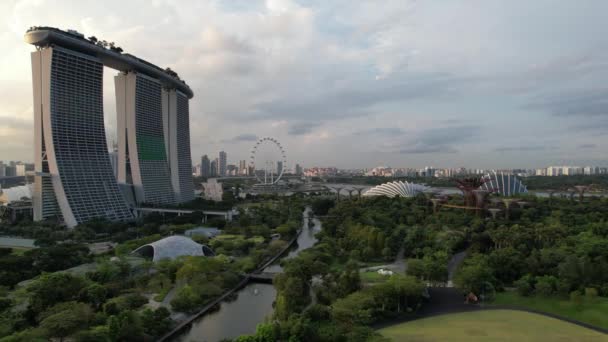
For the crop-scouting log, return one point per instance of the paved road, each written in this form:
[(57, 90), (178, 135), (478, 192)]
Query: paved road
[(398, 266), (453, 264)]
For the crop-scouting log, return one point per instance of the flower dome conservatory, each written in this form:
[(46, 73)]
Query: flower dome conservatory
[(173, 247), (503, 183), (397, 189)]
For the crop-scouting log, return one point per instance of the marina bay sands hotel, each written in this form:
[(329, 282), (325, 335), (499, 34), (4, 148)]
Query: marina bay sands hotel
[(74, 178)]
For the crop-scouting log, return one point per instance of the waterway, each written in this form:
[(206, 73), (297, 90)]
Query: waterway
[(253, 304)]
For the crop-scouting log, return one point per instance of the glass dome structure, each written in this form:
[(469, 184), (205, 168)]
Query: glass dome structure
[(173, 247), (397, 189), (503, 183)]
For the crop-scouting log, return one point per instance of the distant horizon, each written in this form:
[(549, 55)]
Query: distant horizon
[(196, 161), (486, 85)]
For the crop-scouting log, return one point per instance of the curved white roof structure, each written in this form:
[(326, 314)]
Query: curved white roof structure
[(173, 247), (393, 189), (504, 184), (16, 193)]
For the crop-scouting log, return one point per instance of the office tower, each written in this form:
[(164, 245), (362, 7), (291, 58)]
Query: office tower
[(20, 169), (279, 167), (74, 178), (222, 164), (10, 170), (298, 169), (214, 168), (2, 169), (205, 166), (243, 167)]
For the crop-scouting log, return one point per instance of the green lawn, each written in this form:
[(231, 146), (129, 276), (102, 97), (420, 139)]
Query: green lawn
[(19, 250), (592, 311), (373, 277), (490, 325)]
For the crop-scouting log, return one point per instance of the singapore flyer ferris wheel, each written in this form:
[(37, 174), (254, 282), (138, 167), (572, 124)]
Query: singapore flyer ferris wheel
[(268, 161)]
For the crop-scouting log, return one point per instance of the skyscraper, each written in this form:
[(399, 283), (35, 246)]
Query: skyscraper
[(74, 178), (298, 169), (205, 166), (279, 167), (222, 164), (2, 169), (176, 123), (20, 169), (214, 168), (141, 139), (243, 167)]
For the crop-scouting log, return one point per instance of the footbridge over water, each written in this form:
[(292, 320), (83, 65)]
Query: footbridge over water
[(228, 215), (262, 277)]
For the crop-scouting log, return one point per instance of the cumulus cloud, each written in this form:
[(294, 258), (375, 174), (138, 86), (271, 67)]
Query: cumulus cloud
[(302, 128), (381, 131), (440, 140), (587, 146), (451, 75), (241, 138), (525, 148)]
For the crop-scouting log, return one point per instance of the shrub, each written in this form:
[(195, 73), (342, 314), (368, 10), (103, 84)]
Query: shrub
[(186, 300), (546, 285), (525, 285), (590, 293), (576, 298)]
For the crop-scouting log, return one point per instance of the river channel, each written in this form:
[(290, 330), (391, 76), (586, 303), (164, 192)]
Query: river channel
[(253, 304)]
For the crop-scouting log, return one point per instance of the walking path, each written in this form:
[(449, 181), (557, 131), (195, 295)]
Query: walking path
[(398, 266), (453, 265)]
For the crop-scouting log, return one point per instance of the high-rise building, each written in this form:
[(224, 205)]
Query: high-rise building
[(222, 163), (176, 124), (214, 168), (2, 169), (279, 167), (20, 169), (243, 167), (231, 170), (142, 157), (10, 170), (74, 178), (298, 169), (205, 166)]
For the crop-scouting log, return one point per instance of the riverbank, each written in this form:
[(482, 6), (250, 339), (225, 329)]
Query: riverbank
[(252, 304)]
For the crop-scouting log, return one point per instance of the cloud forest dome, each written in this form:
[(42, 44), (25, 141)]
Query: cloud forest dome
[(173, 247), (503, 183), (397, 189)]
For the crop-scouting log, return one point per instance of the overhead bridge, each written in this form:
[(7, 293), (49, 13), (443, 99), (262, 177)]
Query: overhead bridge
[(226, 214), (262, 277)]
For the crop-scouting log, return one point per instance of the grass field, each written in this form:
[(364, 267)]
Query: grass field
[(19, 250), (373, 277), (592, 311), (490, 325)]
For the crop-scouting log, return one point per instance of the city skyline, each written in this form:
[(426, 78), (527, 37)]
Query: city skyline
[(342, 87)]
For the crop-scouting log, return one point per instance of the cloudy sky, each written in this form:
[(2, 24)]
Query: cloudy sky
[(352, 84)]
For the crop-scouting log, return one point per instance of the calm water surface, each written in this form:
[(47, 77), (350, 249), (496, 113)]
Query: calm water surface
[(253, 305)]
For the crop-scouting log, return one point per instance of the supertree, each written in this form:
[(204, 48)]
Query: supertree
[(467, 186)]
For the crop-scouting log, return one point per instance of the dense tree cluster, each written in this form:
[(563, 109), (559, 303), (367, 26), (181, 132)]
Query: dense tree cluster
[(109, 301)]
